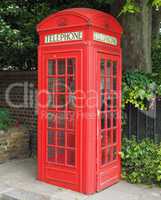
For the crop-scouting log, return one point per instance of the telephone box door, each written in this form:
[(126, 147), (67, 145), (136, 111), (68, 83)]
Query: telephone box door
[(62, 130), (109, 120)]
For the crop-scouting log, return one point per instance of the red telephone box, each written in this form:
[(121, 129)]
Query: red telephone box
[(79, 123)]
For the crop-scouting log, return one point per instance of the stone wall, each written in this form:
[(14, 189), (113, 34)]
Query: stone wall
[(14, 144)]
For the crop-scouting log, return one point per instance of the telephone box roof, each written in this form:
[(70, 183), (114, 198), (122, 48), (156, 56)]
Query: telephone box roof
[(77, 17)]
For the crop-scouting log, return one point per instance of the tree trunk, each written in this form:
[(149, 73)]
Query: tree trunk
[(137, 38), (156, 20)]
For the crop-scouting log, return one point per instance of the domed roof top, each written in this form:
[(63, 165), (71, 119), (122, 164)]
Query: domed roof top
[(75, 17)]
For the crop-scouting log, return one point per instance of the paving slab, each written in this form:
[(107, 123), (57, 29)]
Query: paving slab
[(69, 195), (18, 182), (21, 174), (4, 187), (126, 191), (19, 194)]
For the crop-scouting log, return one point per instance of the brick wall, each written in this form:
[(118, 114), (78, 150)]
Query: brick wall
[(21, 87)]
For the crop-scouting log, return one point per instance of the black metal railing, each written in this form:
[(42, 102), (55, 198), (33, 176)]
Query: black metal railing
[(143, 124)]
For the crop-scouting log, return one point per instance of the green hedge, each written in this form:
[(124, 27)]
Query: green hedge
[(141, 161), (5, 119)]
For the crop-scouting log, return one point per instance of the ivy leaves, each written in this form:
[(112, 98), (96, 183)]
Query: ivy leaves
[(141, 161), (138, 89)]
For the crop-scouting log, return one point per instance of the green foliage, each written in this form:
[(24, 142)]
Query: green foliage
[(130, 7), (155, 3), (18, 20), (5, 119), (141, 161), (18, 39), (138, 89)]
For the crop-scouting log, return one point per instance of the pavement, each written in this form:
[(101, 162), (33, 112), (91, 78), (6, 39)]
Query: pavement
[(18, 182)]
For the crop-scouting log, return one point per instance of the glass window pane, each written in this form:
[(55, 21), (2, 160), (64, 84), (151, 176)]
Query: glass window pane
[(103, 157), (71, 84), (108, 68), (114, 119), (52, 101), (71, 66), (102, 121), (102, 67), (115, 101), (71, 120), (108, 82), (109, 154), (51, 67), (61, 138), (114, 153), (115, 68), (51, 120), (61, 155), (109, 137), (61, 103), (71, 102), (108, 120), (52, 85), (102, 102), (51, 137), (51, 154), (61, 85), (114, 84), (71, 140), (109, 102), (103, 138), (61, 66), (102, 85), (71, 157), (61, 120), (114, 136)]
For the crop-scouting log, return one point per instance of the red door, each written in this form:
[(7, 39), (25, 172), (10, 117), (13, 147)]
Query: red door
[(109, 120), (62, 132)]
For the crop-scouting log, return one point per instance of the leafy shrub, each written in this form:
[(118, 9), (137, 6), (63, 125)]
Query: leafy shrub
[(138, 89), (5, 119), (141, 161)]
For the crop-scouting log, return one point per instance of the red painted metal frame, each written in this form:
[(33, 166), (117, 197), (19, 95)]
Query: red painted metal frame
[(88, 174)]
